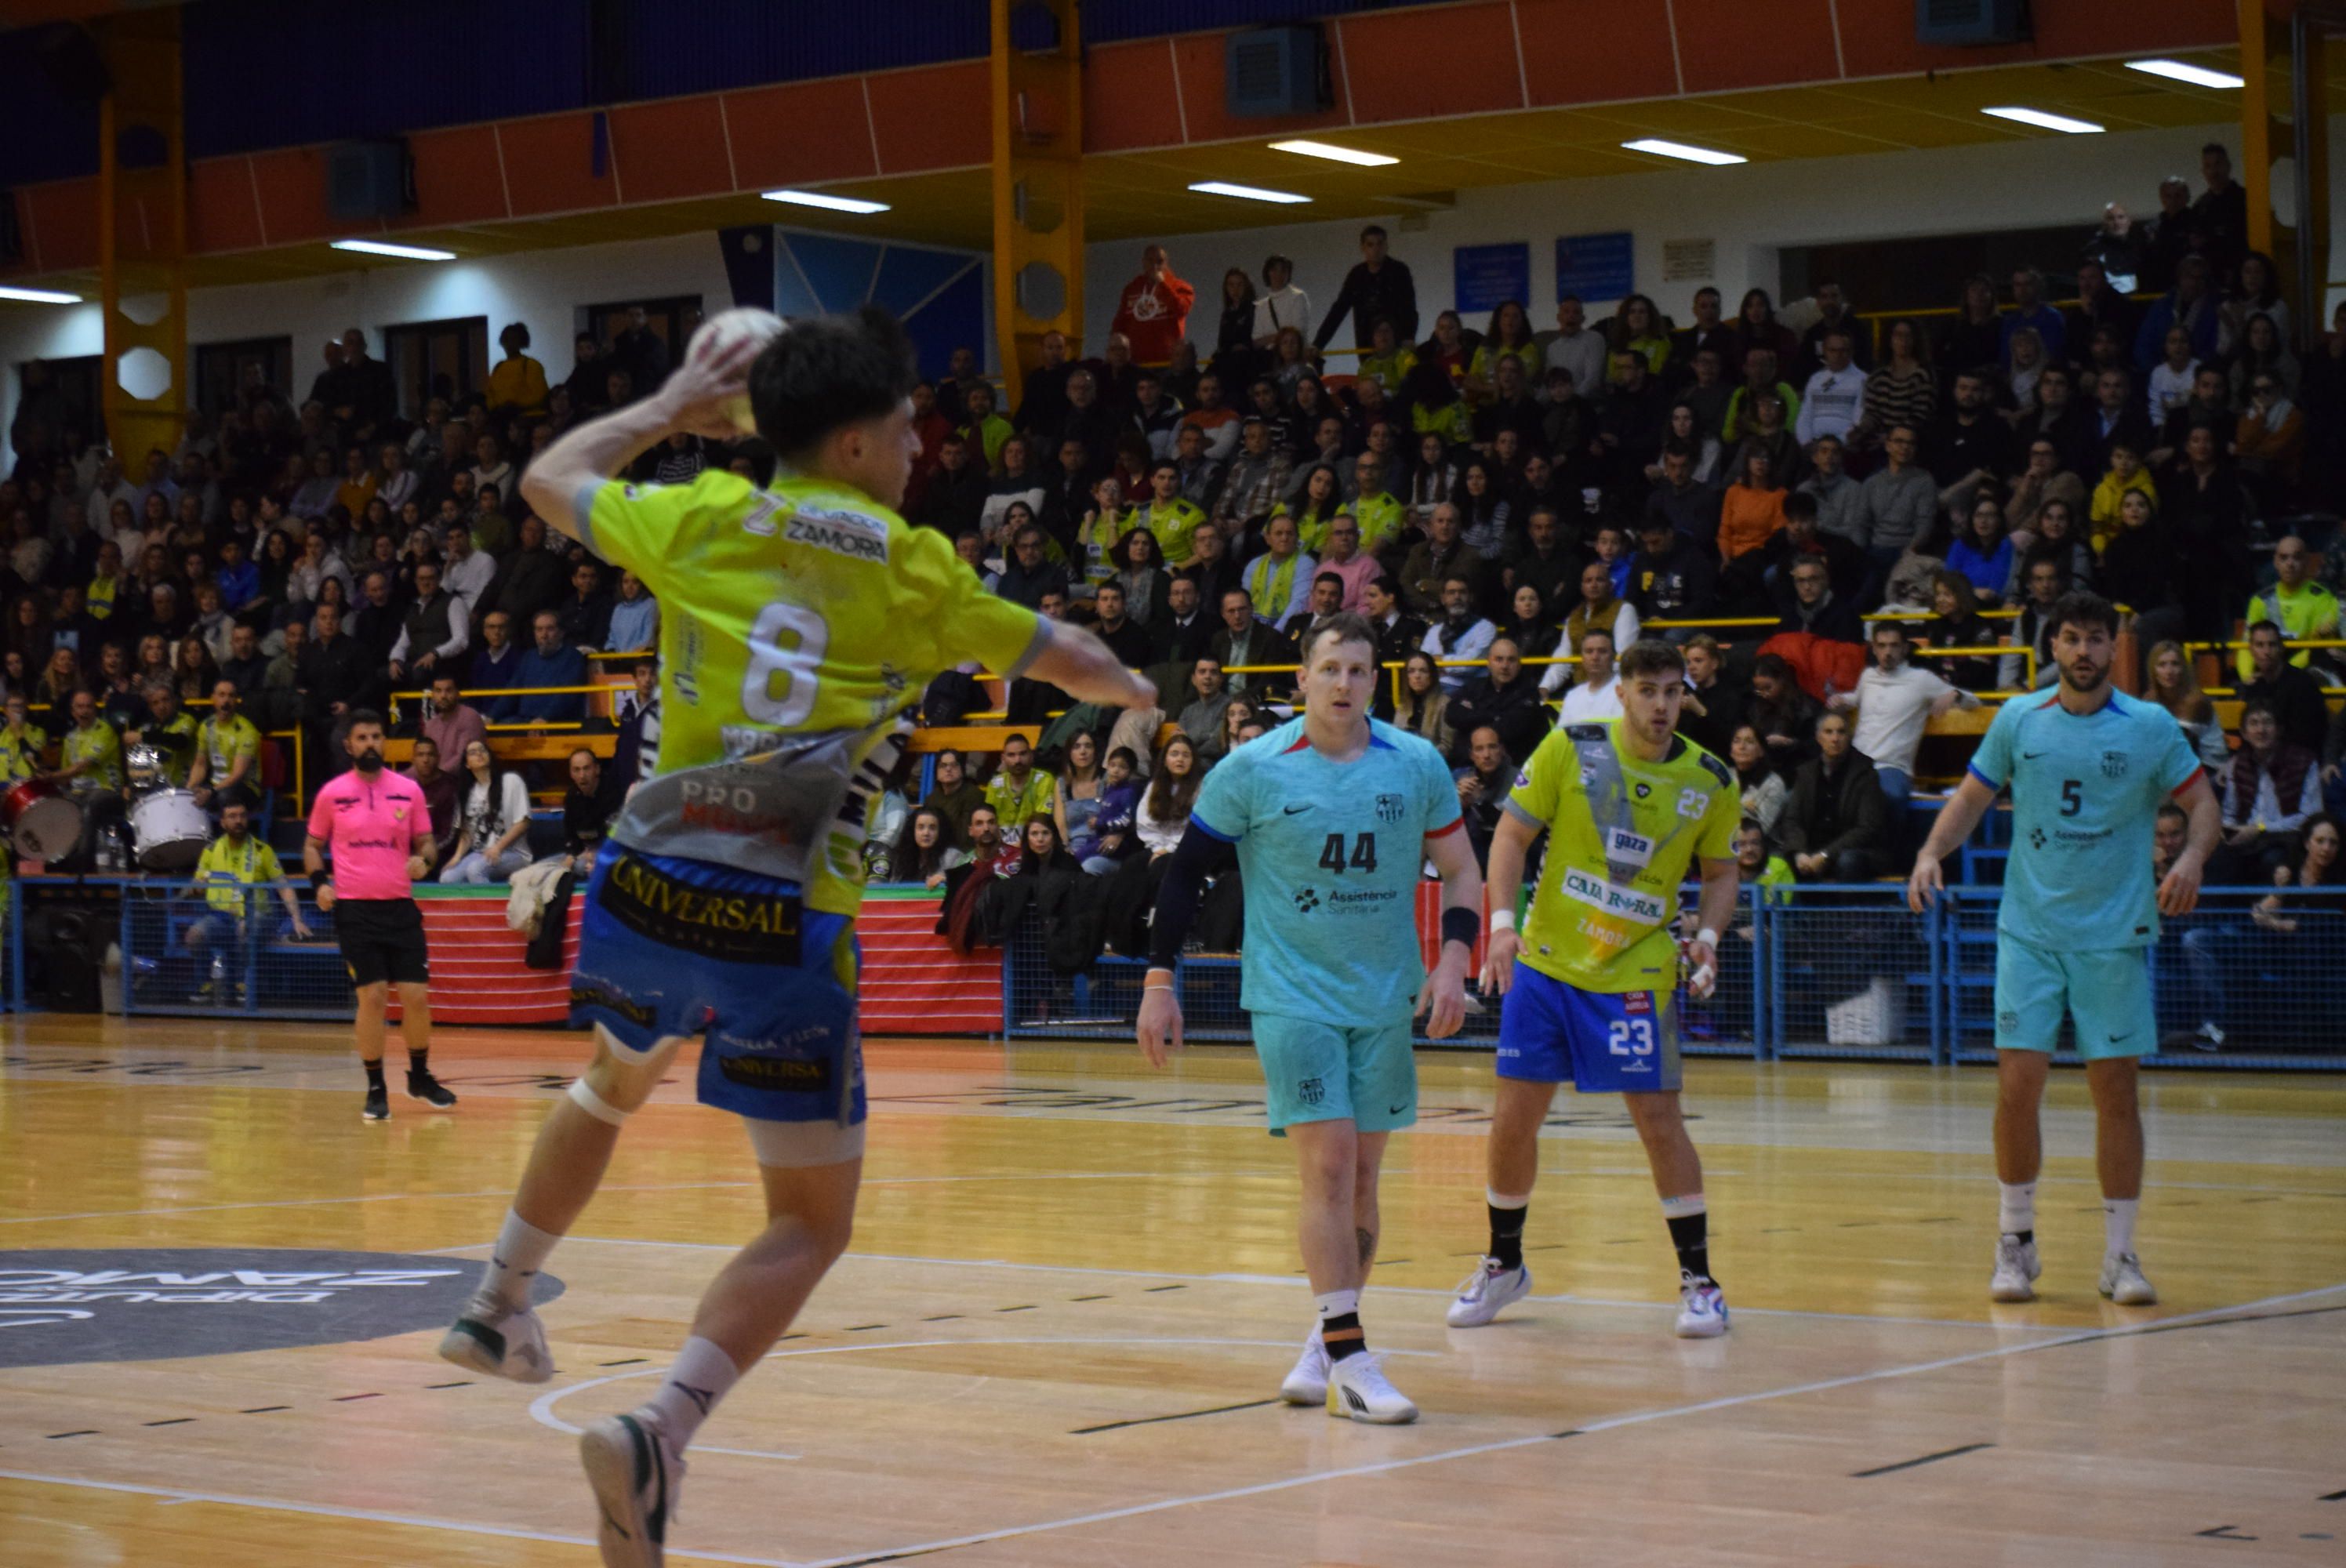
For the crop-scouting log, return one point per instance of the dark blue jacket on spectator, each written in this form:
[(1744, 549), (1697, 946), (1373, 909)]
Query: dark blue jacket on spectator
[(2150, 339), (494, 675), (565, 666), (239, 585)]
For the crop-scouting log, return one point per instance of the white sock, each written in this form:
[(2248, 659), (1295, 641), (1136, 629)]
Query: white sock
[(521, 1250), (701, 1377), (1336, 1303), (2117, 1225), (2016, 1208)]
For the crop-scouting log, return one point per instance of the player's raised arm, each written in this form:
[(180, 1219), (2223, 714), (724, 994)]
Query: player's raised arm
[(1953, 824), (559, 485), (1080, 664), (1444, 999)]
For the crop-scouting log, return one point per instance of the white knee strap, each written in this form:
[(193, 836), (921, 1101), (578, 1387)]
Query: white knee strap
[(594, 1105)]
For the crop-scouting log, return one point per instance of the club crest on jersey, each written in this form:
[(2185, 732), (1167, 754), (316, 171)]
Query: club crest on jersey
[(1390, 808), (1643, 790), (2114, 764), (1523, 780)]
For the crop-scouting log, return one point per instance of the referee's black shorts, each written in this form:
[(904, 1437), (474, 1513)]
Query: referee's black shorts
[(381, 939)]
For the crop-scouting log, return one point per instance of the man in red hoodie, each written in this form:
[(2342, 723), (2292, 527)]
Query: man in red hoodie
[(1154, 311)]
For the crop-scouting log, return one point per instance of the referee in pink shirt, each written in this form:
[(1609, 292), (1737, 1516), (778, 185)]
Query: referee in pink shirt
[(378, 829)]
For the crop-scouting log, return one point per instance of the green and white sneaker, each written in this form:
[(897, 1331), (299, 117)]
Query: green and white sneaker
[(636, 1472), (501, 1341)]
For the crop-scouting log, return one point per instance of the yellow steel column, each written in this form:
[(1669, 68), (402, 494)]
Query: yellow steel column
[(143, 233), (1038, 188), (2285, 131)]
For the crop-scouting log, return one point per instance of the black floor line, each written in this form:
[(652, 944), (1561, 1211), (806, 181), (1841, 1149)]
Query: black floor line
[(863, 1328), (942, 1317), (2333, 1497), (1926, 1458), (263, 1410), (1028, 1307), (629, 1361), (1184, 1415), (462, 1383), (346, 1399), (86, 1432), (1073, 1298), (173, 1422)]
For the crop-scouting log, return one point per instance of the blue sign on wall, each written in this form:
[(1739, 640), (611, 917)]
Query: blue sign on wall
[(1488, 276), (1597, 268)]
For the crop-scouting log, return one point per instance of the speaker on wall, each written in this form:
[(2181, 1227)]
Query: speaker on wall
[(1275, 71), (1970, 21), (369, 179)]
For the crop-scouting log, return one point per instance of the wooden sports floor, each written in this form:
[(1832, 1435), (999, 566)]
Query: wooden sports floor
[(1073, 1291)]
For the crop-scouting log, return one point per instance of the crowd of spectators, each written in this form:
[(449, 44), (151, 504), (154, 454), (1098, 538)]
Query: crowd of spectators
[(288, 564), (1853, 524)]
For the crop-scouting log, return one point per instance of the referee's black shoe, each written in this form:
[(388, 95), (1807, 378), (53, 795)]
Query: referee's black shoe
[(378, 1104), (422, 1085)]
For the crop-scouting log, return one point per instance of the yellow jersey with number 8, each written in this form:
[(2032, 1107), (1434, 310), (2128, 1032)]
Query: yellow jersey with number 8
[(799, 624)]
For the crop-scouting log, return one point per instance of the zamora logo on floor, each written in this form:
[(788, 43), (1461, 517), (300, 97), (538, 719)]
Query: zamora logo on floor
[(61, 1307)]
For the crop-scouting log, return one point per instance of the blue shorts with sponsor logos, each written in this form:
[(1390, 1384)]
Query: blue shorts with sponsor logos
[(1605, 1042), (677, 948)]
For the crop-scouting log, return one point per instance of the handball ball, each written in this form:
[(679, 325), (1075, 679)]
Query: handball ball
[(721, 332)]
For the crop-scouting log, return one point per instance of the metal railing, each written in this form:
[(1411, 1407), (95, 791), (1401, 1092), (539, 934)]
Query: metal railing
[(1847, 970)]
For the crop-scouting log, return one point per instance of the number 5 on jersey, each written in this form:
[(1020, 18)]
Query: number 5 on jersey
[(786, 641), (1364, 853)]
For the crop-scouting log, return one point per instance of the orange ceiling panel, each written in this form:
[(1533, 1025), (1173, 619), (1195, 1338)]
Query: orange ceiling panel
[(1584, 54), (801, 133), (1879, 40), (60, 224), (1724, 44), (1128, 98), (672, 149), (549, 165), (292, 186), (458, 177), (1445, 60), (224, 210), (938, 116)]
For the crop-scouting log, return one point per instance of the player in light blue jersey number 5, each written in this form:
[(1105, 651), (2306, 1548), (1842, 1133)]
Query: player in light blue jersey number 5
[(2089, 767), (1334, 816)]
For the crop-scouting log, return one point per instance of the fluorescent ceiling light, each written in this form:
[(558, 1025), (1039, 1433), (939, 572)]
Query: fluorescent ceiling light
[(1246, 192), (828, 203), (1334, 154), (381, 248), (39, 297), (1661, 148), (2040, 118), (2177, 71)]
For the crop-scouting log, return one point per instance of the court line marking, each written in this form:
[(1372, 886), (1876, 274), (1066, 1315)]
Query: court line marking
[(1502, 1444), (182, 1495), (1296, 1281), (541, 1409), (649, 1186), (172, 1495)]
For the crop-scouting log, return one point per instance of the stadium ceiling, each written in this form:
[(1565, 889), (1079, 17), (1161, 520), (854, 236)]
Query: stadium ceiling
[(1137, 190)]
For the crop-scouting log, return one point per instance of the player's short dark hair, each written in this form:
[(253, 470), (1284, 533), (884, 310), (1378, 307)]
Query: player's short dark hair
[(1335, 578), (359, 716), (2268, 626), (1345, 628), (828, 372), (1650, 655), (2082, 610), (1376, 229)]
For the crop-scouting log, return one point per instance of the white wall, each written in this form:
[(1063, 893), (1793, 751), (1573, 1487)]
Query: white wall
[(1750, 209), (542, 287)]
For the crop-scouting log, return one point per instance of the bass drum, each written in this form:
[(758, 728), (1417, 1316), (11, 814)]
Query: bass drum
[(169, 830), (43, 821)]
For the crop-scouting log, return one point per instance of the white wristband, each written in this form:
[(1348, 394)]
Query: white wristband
[(1707, 937), (1501, 919)]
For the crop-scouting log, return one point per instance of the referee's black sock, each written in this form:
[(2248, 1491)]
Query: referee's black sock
[(374, 1075), (419, 1061)]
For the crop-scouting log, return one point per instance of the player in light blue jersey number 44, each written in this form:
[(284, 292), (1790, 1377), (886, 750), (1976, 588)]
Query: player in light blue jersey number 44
[(1333, 816), (2089, 767)]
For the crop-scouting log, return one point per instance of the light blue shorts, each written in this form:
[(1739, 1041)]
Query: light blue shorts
[(2106, 989), (1322, 1072)]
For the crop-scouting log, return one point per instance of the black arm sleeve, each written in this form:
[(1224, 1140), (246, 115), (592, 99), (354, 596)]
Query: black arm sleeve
[(1193, 860)]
